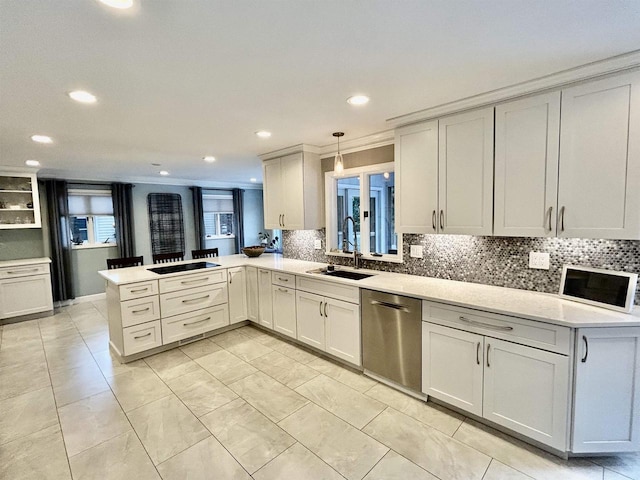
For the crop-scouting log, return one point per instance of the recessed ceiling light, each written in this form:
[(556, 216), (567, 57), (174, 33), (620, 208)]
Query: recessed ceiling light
[(358, 100), (32, 163), (41, 139), (82, 96), (263, 134), (121, 4), (164, 172), (209, 159), (253, 180)]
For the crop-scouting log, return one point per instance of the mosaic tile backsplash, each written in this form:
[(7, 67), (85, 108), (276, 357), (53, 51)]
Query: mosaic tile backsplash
[(501, 261)]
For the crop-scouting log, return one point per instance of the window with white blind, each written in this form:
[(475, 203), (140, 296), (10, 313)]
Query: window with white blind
[(91, 217), (218, 215)]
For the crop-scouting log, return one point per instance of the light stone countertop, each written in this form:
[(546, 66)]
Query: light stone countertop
[(544, 307), (24, 261)]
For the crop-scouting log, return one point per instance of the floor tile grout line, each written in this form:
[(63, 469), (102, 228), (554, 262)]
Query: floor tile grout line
[(377, 415)]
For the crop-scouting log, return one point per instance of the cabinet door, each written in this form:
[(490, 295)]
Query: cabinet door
[(237, 295), (526, 178), (452, 366), (310, 319), (342, 330), (25, 295), (284, 310), (252, 293), (293, 192), (598, 191), (607, 390), (416, 168), (265, 299), (527, 390), (272, 193), (465, 173)]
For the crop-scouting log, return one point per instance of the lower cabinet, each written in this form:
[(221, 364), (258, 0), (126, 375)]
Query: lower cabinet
[(284, 310), (25, 288), (607, 390), (329, 325), (522, 388), (252, 293), (237, 285), (265, 299), (187, 325)]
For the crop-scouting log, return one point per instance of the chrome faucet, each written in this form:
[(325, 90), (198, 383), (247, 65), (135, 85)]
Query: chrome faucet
[(346, 242)]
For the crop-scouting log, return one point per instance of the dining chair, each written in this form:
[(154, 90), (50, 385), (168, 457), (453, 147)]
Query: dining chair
[(168, 257), (124, 262), (204, 253)]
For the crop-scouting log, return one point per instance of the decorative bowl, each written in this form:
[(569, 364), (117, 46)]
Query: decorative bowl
[(253, 251)]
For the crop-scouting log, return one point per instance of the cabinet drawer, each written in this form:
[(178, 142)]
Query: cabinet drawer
[(184, 282), (335, 290), (194, 299), (194, 323), (142, 337), (546, 336), (24, 270), (138, 290), (140, 310), (283, 279)]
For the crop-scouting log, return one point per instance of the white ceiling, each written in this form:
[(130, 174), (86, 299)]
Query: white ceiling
[(180, 79)]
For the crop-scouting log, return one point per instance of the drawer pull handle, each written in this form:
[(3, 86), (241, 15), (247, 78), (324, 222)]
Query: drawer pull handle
[(191, 282), (230, 278), (195, 299), (148, 334), (196, 322), (488, 350), (141, 311), (586, 349), (502, 328), (283, 290), (140, 290), (402, 308), (18, 272), (283, 279), (478, 353)]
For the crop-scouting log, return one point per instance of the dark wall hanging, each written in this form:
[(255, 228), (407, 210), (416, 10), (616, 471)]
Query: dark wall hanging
[(166, 222)]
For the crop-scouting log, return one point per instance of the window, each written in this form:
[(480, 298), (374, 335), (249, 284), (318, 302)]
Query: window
[(91, 217), (218, 215), (367, 195)]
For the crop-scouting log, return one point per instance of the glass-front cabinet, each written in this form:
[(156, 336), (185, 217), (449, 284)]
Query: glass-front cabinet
[(19, 201)]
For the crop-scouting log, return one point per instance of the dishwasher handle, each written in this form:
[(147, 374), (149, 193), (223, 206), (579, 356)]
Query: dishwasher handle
[(395, 306)]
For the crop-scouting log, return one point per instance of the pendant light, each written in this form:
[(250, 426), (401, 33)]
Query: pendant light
[(338, 163)]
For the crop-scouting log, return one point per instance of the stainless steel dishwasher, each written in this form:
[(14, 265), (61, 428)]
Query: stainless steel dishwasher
[(392, 337)]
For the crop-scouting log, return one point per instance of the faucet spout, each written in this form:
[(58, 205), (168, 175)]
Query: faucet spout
[(345, 242)]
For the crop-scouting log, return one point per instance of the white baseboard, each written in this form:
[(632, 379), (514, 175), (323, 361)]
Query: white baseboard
[(83, 299)]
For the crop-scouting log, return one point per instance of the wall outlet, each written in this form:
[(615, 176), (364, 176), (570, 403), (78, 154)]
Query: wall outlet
[(317, 244), (416, 251), (539, 260)]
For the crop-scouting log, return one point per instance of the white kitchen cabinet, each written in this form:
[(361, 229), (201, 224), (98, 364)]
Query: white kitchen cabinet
[(452, 365), (526, 166), (252, 294), (416, 174), (526, 390), (342, 330), (310, 319), (293, 192), (465, 171), (607, 390), (237, 286), (284, 310), (265, 298), (19, 201), (598, 186), (25, 287)]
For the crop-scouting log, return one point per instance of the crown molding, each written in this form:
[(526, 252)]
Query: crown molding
[(607, 66), (359, 144), (302, 147)]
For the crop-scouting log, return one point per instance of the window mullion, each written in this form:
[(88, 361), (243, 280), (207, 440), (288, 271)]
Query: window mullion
[(91, 230)]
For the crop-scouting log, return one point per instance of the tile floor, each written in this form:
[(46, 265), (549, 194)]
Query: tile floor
[(240, 405)]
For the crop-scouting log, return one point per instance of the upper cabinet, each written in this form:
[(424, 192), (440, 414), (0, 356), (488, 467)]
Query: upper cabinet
[(526, 166), (599, 181), (19, 201), (293, 192), (416, 170), (465, 172)]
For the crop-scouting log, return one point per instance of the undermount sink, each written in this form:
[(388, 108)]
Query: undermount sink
[(341, 273)]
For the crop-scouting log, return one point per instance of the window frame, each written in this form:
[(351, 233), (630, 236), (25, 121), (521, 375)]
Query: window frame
[(331, 212), (216, 216), (91, 241)]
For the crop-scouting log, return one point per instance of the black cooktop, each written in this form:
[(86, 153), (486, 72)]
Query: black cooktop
[(183, 267)]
